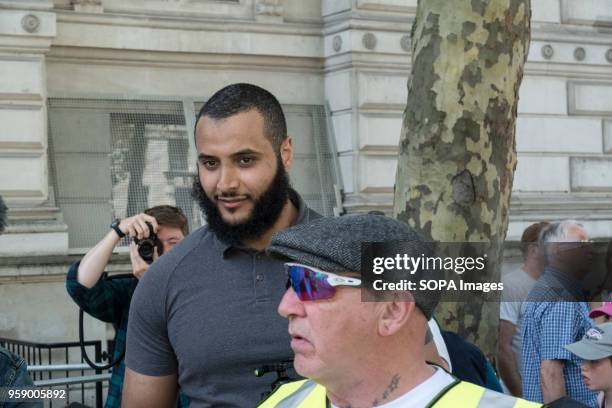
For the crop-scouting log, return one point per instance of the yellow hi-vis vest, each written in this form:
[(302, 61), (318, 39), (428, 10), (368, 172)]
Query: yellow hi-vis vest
[(460, 394)]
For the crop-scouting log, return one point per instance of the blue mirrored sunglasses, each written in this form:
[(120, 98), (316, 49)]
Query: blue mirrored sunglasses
[(313, 284)]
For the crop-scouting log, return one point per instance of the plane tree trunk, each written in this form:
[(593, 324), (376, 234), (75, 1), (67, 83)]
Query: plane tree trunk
[(457, 150)]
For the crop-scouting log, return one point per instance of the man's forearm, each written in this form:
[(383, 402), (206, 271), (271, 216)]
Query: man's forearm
[(509, 372), (95, 260), (552, 380)]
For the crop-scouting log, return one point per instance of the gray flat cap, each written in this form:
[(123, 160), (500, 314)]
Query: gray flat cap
[(334, 244)]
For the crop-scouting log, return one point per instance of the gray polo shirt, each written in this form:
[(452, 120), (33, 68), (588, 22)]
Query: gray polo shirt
[(208, 312)]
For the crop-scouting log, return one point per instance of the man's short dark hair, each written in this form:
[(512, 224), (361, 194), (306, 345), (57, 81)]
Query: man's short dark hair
[(169, 216), (238, 98), (531, 235), (3, 211)]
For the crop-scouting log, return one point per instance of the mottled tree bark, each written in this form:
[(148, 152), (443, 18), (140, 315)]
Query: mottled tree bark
[(457, 151)]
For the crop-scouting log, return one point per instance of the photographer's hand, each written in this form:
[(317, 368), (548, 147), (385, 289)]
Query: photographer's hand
[(136, 226), (95, 260)]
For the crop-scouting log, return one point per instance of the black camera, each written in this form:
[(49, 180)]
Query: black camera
[(146, 247)]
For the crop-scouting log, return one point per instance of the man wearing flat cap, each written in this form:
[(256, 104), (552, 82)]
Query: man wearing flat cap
[(355, 353)]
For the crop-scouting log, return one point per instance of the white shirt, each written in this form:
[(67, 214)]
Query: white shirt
[(517, 285), (439, 342), (421, 395)]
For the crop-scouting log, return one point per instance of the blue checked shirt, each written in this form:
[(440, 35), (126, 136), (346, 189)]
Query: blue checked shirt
[(109, 301), (551, 321)]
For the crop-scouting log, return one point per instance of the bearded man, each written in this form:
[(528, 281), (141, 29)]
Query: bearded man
[(204, 316)]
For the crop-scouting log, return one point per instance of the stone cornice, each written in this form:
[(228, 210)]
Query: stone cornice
[(401, 63), (523, 206), (46, 5), (581, 71), (365, 15), (216, 61), (541, 31), (569, 33), (189, 23), (562, 201), (353, 22), (188, 36)]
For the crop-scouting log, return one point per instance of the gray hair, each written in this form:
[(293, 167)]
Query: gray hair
[(555, 232)]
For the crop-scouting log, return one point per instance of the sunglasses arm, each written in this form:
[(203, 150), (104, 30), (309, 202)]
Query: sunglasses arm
[(335, 280)]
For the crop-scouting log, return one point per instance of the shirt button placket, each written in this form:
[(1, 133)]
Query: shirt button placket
[(260, 289), (258, 275)]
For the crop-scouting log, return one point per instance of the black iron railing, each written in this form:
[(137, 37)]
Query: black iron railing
[(53, 365)]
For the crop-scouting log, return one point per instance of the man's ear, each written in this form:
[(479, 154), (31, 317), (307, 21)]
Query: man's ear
[(530, 249), (394, 315), (286, 152)]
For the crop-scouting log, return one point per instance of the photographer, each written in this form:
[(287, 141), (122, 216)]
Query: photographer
[(153, 233)]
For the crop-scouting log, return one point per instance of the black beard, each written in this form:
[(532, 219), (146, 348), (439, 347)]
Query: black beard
[(265, 212)]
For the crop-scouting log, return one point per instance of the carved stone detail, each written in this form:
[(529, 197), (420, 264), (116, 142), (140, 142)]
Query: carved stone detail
[(87, 6), (405, 42), (269, 8), (579, 54), (30, 23), (337, 43), (548, 51), (369, 41)]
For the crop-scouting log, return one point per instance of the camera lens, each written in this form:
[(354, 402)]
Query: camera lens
[(146, 250), (146, 247)]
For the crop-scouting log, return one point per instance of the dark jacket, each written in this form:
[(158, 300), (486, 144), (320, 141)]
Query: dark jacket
[(469, 363)]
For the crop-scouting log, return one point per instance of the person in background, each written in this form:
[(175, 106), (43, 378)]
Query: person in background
[(595, 350), (517, 285), (468, 362), (461, 358), (602, 314), (109, 300), (557, 314), (356, 353)]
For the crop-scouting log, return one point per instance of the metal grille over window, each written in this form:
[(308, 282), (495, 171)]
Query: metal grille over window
[(112, 158), (312, 173)]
